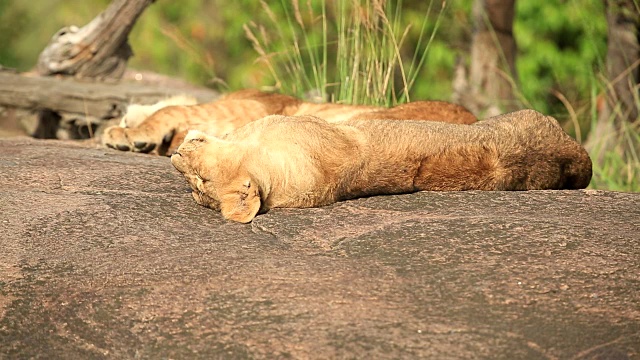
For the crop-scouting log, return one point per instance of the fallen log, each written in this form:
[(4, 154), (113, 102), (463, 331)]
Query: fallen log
[(78, 104)]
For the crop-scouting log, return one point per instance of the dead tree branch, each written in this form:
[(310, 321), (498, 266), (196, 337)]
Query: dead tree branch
[(98, 50)]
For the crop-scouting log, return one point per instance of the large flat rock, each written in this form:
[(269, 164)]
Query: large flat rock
[(105, 255)]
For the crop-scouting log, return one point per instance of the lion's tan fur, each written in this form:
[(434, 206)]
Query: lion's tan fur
[(304, 161), (164, 130), (137, 113)]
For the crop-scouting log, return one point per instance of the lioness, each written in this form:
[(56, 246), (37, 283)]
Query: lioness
[(305, 161), (165, 127)]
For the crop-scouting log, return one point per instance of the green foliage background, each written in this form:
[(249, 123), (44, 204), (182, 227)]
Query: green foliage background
[(562, 43)]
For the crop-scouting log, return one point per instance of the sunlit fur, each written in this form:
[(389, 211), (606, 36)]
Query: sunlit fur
[(305, 161), (137, 113)]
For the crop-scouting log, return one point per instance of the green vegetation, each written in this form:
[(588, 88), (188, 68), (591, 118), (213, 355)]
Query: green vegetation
[(618, 167), (355, 51), (355, 58)]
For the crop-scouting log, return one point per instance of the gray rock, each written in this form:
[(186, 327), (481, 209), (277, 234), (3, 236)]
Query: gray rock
[(104, 254)]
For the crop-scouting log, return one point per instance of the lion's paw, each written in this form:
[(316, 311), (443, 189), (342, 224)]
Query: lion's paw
[(189, 155), (136, 140)]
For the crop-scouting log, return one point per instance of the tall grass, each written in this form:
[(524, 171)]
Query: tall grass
[(347, 52), (618, 169), (616, 156), (613, 141)]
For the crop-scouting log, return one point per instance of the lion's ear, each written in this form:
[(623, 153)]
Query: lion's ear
[(240, 201)]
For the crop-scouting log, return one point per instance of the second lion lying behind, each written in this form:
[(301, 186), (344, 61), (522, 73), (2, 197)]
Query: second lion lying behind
[(281, 161), (159, 129)]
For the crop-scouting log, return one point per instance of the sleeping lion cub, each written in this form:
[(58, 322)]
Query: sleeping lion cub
[(304, 161), (161, 128)]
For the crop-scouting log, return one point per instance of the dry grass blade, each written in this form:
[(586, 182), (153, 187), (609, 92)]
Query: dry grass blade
[(572, 114), (204, 59)]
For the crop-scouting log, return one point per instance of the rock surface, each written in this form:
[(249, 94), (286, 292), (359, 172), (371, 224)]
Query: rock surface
[(105, 255)]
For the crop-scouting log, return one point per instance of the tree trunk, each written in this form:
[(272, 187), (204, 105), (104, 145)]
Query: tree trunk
[(98, 50), (622, 74), (489, 89), (623, 57)]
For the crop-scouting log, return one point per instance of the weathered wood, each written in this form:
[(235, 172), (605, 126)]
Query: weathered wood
[(623, 60), (97, 99), (99, 49), (488, 90), (62, 106), (73, 101)]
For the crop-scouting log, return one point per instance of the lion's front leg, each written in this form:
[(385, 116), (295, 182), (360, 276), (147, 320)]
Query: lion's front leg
[(155, 133)]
